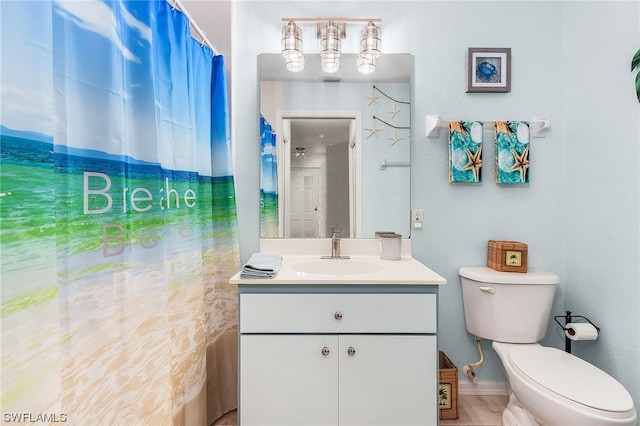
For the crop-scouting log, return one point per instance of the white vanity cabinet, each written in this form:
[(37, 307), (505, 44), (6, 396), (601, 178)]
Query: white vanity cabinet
[(338, 355)]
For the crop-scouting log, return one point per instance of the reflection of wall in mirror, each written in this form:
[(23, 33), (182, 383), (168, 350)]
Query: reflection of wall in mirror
[(338, 189), (270, 99)]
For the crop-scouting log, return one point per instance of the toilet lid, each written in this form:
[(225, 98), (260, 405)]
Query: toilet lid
[(571, 377), (484, 274)]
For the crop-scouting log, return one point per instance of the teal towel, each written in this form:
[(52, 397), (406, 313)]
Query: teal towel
[(465, 151), (261, 265), (512, 152)]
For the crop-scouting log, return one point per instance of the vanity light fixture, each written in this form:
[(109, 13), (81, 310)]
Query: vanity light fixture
[(331, 35), (301, 151), (370, 41), (291, 46), (295, 63), (331, 32), (366, 65)]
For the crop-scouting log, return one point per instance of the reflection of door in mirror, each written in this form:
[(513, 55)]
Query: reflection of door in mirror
[(304, 212), (319, 174)]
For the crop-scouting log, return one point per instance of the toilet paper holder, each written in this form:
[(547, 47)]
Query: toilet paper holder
[(568, 318)]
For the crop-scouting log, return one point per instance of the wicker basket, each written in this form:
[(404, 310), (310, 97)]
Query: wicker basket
[(507, 256), (448, 388)]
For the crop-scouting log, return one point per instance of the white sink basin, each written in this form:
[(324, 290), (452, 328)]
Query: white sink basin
[(336, 267)]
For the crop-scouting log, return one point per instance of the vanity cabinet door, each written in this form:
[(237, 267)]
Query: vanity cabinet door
[(388, 380), (288, 379)]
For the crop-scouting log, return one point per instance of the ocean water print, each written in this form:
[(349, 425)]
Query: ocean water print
[(268, 214), (512, 152), (465, 151), (57, 200)]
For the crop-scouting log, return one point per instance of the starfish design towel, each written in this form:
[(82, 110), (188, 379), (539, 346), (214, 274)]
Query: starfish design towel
[(465, 151), (512, 152)]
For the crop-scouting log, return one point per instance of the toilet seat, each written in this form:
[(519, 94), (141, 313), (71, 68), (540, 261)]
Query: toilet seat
[(570, 377)]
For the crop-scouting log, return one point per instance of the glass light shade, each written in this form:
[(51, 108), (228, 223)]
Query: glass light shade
[(330, 38), (291, 42), (371, 41), (330, 45), (366, 65), (295, 63), (330, 62)]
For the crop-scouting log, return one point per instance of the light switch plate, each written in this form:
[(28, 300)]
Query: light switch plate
[(417, 218)]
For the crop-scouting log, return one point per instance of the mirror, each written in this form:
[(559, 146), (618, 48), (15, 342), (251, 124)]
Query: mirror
[(335, 148)]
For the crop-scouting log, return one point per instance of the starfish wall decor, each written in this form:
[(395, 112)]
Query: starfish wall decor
[(379, 98)]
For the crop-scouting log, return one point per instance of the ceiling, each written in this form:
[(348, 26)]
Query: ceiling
[(214, 19), (310, 132)]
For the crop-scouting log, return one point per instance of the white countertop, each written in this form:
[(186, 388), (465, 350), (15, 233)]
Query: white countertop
[(405, 271)]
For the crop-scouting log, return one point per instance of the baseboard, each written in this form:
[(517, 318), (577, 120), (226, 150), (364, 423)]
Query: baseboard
[(465, 387)]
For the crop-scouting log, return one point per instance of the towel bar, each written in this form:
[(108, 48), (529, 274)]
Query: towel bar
[(384, 164), (538, 126)]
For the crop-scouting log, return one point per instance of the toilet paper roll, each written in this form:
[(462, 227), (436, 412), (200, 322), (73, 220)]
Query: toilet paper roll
[(581, 331)]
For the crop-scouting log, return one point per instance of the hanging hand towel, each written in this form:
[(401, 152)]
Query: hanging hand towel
[(512, 152), (261, 265), (465, 151)]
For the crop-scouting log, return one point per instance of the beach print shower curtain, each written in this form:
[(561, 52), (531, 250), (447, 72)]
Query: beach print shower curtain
[(118, 224)]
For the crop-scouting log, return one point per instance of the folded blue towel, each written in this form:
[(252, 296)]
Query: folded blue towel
[(262, 265)]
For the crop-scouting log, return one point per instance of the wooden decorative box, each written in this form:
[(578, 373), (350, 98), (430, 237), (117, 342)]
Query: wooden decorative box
[(507, 256), (448, 388)]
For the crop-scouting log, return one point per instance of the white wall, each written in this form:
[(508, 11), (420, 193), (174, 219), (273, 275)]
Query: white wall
[(582, 202), (601, 212)]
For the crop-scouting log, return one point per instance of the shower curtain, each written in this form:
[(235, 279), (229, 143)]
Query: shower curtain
[(118, 224)]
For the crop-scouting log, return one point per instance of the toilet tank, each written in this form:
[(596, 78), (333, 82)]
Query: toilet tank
[(507, 307)]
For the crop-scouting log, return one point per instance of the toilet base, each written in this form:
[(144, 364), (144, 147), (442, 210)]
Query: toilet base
[(546, 407), (516, 415)]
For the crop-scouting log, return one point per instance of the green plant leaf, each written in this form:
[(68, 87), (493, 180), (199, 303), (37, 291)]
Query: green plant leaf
[(636, 60), (638, 86)]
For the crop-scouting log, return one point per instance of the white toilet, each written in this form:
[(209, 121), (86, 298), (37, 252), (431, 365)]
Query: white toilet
[(548, 386)]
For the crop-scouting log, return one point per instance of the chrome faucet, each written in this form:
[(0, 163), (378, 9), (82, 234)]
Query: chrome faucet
[(335, 244)]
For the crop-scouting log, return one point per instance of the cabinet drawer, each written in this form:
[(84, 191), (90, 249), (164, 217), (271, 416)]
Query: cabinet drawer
[(337, 313)]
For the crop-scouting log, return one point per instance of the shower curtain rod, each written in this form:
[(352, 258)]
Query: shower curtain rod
[(196, 27)]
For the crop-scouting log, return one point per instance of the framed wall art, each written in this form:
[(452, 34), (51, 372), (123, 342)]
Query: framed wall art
[(488, 70)]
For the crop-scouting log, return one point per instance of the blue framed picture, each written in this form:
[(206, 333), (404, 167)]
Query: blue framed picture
[(488, 69)]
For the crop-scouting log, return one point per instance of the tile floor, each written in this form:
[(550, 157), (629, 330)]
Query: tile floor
[(474, 410), (479, 410)]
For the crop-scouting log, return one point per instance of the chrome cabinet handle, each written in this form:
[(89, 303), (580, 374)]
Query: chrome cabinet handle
[(351, 351), (325, 351), (338, 315)]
